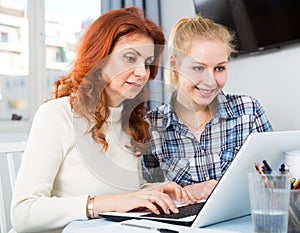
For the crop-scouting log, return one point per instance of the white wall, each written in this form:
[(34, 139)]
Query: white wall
[(273, 77), (172, 10)]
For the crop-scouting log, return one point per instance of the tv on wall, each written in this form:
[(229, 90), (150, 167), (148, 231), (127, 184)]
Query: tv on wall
[(258, 24)]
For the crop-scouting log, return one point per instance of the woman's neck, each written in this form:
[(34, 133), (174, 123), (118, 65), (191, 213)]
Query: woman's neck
[(190, 113), (194, 117)]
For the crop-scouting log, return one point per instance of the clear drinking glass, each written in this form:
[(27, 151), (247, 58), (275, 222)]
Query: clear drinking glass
[(269, 198)]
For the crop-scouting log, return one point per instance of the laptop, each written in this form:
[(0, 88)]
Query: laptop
[(230, 198)]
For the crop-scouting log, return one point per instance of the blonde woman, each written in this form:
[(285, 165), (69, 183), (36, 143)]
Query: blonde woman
[(197, 135)]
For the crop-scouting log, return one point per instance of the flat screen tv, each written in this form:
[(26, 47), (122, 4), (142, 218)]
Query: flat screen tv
[(258, 24)]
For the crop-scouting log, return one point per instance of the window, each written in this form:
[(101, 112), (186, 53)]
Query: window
[(14, 61), (39, 43)]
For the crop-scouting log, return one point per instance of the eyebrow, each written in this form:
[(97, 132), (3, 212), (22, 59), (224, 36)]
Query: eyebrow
[(139, 54), (201, 63)]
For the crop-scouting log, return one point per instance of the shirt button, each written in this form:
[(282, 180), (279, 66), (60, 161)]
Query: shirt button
[(172, 167), (202, 152)]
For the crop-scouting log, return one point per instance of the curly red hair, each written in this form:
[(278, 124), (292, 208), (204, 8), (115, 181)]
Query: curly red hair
[(87, 91)]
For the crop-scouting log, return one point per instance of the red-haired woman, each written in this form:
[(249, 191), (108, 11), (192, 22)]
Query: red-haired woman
[(82, 154)]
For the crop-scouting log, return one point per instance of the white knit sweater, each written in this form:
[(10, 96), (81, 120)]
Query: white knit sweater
[(61, 166)]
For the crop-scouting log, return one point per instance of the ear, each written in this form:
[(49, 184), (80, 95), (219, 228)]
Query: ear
[(174, 73), (173, 62)]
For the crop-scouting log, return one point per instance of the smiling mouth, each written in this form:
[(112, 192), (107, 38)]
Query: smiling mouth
[(205, 91)]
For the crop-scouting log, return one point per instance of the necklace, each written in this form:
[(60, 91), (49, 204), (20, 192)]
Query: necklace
[(197, 129), (181, 111)]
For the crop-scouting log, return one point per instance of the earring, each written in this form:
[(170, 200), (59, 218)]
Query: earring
[(175, 74)]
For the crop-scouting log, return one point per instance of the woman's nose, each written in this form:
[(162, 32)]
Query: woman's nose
[(209, 77), (140, 71)]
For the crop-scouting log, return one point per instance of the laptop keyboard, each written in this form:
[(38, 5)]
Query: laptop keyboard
[(184, 211)]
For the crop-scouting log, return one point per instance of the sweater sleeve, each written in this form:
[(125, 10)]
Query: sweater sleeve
[(33, 208)]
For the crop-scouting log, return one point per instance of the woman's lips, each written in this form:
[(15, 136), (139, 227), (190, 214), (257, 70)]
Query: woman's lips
[(205, 92), (134, 85)]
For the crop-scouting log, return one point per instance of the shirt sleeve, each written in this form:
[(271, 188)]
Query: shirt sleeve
[(33, 208), (261, 123)]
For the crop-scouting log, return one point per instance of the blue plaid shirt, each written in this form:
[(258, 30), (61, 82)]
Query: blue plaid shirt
[(175, 154)]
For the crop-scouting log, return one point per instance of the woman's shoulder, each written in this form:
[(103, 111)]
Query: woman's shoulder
[(55, 109), (242, 103), (55, 104), (159, 112), (241, 99)]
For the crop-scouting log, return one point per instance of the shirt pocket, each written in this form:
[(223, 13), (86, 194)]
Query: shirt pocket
[(205, 166), (180, 148), (176, 169), (227, 156)]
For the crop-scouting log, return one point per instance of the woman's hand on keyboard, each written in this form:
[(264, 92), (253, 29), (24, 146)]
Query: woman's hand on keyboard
[(153, 200), (201, 190), (175, 191)]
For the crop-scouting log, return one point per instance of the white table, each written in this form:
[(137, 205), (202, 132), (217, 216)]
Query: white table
[(242, 225)]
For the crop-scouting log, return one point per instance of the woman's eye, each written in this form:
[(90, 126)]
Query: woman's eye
[(148, 62), (220, 68), (130, 58), (198, 68)]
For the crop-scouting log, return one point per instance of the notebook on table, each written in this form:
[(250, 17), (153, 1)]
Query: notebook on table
[(230, 198)]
